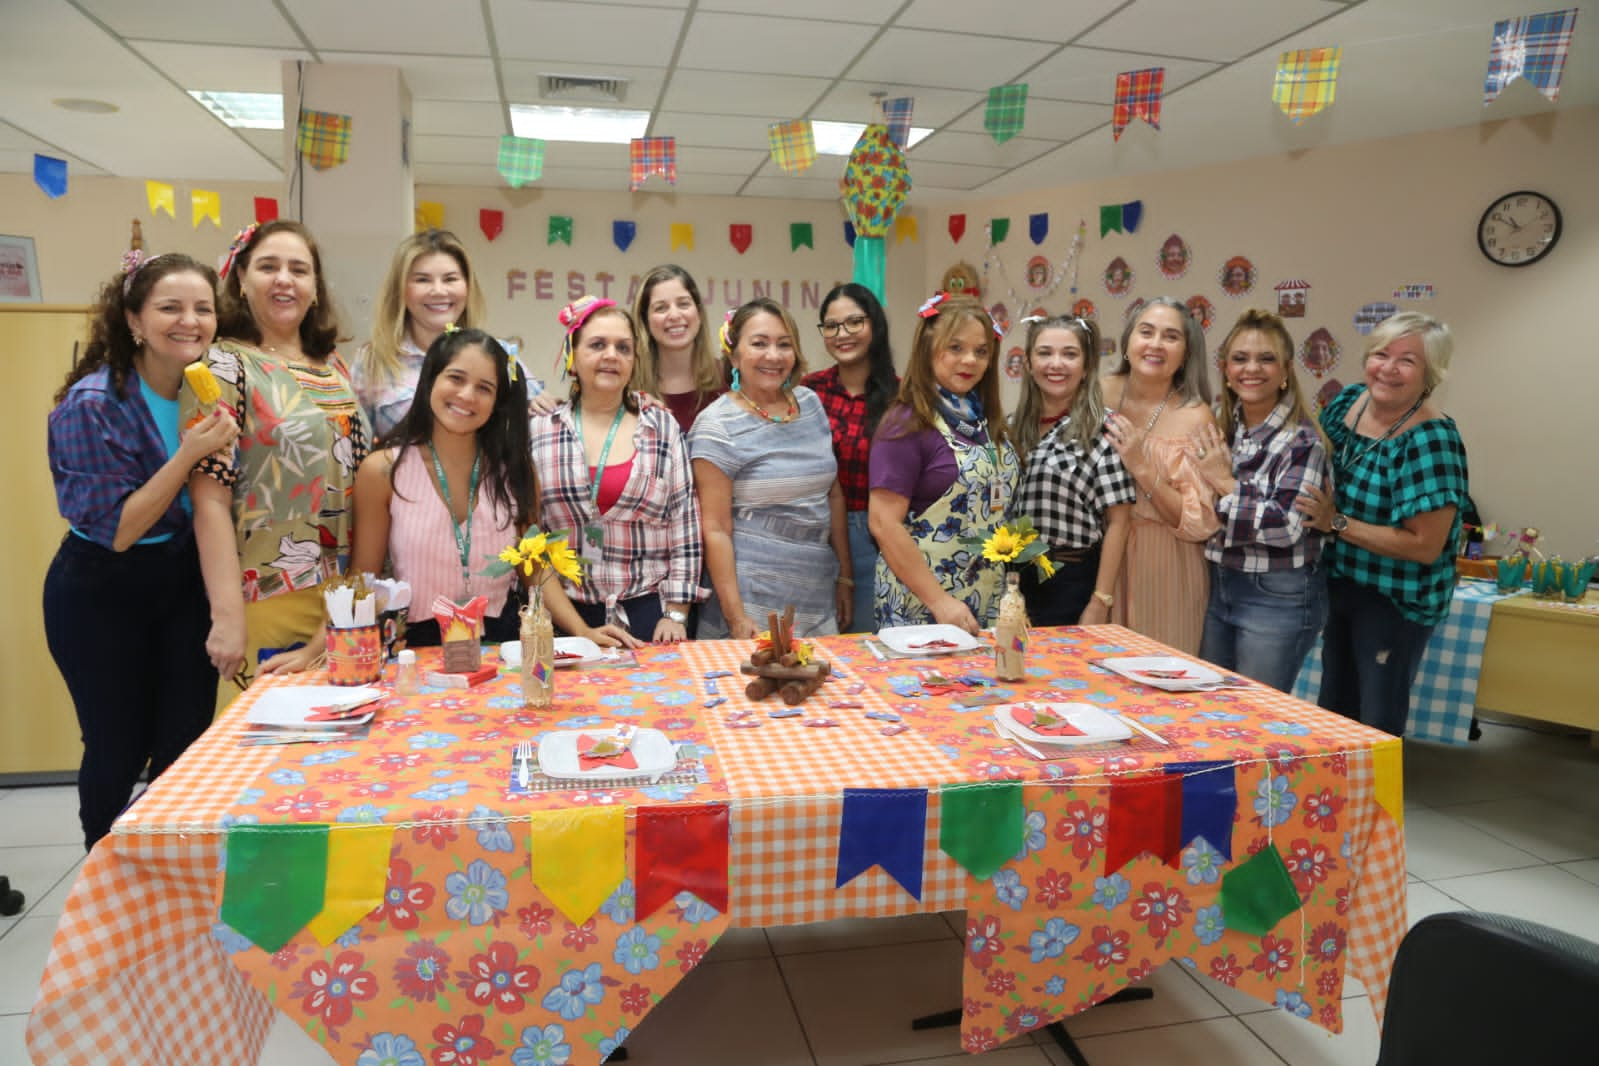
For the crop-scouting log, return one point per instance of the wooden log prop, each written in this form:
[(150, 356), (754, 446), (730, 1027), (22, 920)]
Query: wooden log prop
[(777, 670)]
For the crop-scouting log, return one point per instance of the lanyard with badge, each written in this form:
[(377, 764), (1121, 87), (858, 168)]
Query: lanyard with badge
[(462, 530), (595, 534)]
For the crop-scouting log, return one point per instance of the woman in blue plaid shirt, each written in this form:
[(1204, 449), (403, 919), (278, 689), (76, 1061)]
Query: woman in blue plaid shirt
[(1399, 467)]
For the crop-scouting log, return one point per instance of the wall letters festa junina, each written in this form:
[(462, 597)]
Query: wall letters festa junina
[(716, 292)]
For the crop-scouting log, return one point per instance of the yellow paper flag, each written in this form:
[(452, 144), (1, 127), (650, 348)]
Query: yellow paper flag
[(579, 857), (161, 198), (905, 226), (682, 235), (358, 874), (206, 205), (1387, 771), (429, 215)]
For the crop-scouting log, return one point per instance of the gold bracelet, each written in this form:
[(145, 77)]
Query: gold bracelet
[(842, 580)]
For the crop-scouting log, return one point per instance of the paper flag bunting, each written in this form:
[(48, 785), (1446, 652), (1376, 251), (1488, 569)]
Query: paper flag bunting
[(161, 198), (793, 145), (358, 875), (849, 233), (1532, 47), (622, 234), (905, 228), (883, 827), (275, 881), (324, 138), (800, 233), (682, 235), (1258, 893), (1210, 803), (1306, 81), (1146, 814), (1137, 96), (998, 230), (204, 204), (957, 227), (579, 856), (739, 234), (1388, 783), (1007, 108), (875, 182), (982, 826), (653, 155), (50, 174), (266, 209), (680, 849), (1038, 227), (1119, 217), (897, 117), (491, 221), (429, 215), (560, 230), (521, 160)]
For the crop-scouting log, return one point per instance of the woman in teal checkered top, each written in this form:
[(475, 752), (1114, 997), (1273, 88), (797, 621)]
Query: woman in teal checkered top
[(1400, 481)]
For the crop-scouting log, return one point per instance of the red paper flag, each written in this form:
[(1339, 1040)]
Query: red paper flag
[(957, 227), (678, 849), (266, 209), (740, 234), (1146, 814), (491, 222)]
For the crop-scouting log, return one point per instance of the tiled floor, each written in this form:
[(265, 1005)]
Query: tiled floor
[(1509, 824)]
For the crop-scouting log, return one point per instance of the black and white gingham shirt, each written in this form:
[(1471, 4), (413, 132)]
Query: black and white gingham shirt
[(1066, 495), (1260, 530)]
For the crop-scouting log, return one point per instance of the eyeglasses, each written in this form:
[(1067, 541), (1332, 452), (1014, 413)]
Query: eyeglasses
[(852, 324)]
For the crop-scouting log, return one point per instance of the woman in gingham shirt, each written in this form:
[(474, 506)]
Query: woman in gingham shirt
[(1400, 477), (1074, 486)]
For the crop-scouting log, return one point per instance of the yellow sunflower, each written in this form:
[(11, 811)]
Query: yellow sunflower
[(564, 561), (1003, 546), (1046, 566)]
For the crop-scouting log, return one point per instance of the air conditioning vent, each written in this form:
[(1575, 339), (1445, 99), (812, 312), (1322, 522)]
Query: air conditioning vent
[(575, 87)]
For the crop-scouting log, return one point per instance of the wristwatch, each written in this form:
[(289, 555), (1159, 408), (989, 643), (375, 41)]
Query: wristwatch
[(1340, 522), (680, 617), (1104, 597)]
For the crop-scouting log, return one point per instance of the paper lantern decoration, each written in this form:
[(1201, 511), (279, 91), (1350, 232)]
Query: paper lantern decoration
[(874, 185)]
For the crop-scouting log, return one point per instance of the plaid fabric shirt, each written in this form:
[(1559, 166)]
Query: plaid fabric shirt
[(851, 446), (1260, 530), (1067, 495), (101, 451), (1385, 482), (652, 534)]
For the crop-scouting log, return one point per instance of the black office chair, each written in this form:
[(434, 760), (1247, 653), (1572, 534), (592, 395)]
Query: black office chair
[(1473, 988), (10, 899)]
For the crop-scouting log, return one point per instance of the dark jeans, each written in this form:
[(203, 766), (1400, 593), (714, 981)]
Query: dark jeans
[(643, 614), (1369, 656), (1263, 625), (1060, 600), (127, 630)]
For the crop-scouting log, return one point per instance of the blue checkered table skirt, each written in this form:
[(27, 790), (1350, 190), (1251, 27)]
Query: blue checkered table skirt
[(1445, 693)]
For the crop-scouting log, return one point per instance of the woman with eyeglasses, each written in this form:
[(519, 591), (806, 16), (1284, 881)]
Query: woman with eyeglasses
[(855, 391)]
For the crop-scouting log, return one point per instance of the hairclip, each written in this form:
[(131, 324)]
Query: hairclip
[(572, 316), (999, 331), (240, 239), (131, 263), (929, 309), (725, 334), (1030, 319)]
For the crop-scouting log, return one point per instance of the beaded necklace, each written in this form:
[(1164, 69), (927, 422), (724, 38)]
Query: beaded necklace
[(755, 408)]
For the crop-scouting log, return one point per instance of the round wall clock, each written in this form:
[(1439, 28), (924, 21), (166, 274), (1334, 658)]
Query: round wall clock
[(1519, 228)]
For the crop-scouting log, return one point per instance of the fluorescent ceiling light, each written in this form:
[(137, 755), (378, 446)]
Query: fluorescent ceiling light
[(247, 111), (838, 138), (591, 125)]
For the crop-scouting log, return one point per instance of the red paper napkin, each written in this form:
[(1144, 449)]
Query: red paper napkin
[(625, 761), (1025, 716)]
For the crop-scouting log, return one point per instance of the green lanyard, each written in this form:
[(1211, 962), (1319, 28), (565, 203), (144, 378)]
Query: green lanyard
[(463, 539), (605, 449)]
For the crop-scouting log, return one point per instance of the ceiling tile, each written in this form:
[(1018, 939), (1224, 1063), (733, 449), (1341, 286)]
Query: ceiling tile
[(868, 11), (458, 117), (852, 101), (698, 184), (1050, 119), (953, 175), (434, 77), (415, 27), (250, 23), (595, 34), (522, 81), (1199, 31), (712, 131), (784, 188), (457, 174), (1088, 75), (770, 45), (1053, 22), (205, 66), (946, 60), (976, 148), (271, 143), (449, 148), (697, 160), (772, 96)]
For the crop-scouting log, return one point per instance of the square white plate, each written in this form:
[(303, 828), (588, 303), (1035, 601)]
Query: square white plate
[(290, 706), (905, 639), (586, 649), (656, 755), (1097, 725), (1138, 668)]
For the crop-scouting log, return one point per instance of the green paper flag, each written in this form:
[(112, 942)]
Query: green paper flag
[(1007, 108), (982, 826), (1258, 893), (561, 229), (275, 881), (800, 233), (998, 230), (1110, 218)]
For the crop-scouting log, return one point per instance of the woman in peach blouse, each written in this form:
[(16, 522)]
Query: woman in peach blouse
[(1160, 395)]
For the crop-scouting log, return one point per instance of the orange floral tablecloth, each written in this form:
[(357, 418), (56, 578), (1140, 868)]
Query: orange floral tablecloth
[(466, 961)]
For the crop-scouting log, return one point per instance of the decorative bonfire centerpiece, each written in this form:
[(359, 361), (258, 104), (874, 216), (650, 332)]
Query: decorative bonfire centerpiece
[(536, 556), (782, 665)]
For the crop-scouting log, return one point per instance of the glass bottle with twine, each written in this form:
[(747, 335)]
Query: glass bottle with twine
[(1012, 545), (535, 557)]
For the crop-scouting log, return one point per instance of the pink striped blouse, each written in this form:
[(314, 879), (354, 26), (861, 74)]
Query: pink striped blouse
[(422, 545)]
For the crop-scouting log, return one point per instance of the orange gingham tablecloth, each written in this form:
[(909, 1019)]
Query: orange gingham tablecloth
[(133, 951)]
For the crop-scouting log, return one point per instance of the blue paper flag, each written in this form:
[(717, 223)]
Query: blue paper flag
[(50, 174), (1038, 226), (883, 827), (1210, 802), (623, 233), (849, 233), (1132, 214)]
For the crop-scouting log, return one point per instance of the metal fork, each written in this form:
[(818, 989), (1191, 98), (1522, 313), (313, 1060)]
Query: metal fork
[(522, 763)]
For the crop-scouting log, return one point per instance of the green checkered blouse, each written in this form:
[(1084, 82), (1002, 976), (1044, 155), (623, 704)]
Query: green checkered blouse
[(1420, 470)]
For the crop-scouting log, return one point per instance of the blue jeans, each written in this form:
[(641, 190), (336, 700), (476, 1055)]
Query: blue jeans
[(1369, 657), (863, 569), (1263, 625)]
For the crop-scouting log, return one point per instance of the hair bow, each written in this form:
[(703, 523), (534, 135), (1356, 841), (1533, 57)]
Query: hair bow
[(131, 262), (724, 335), (240, 240), (572, 316), (930, 308)]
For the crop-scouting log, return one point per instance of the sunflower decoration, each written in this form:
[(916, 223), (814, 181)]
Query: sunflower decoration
[(531, 555), (1014, 544)]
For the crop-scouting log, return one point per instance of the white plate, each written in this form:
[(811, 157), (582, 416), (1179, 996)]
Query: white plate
[(903, 639), (582, 646), (1137, 667), (1097, 725), (290, 706), (511, 653), (558, 755)]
